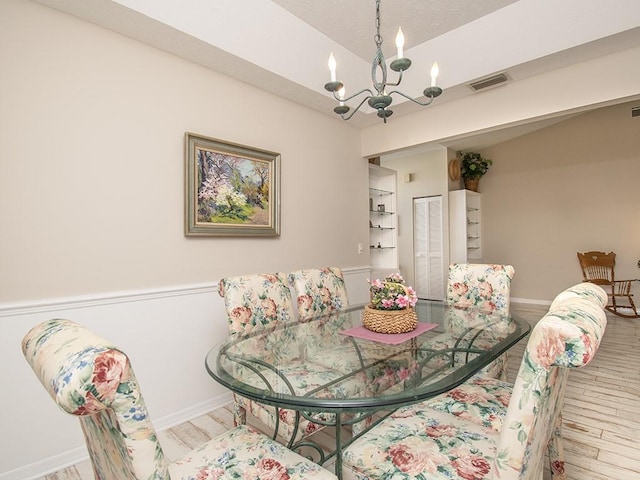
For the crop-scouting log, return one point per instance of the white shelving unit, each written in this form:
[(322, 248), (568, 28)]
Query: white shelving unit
[(383, 232), (465, 226)]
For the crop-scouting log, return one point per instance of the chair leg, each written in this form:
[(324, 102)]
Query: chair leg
[(239, 414), (556, 452), (633, 306)]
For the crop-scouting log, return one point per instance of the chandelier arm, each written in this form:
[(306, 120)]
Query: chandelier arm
[(387, 84), (424, 104), (343, 100), (357, 108)]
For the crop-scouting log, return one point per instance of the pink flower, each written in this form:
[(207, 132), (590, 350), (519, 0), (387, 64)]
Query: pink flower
[(416, 456), (588, 347), (402, 301), (271, 278), (471, 467), (271, 469), (557, 467), (325, 295), (485, 289), (109, 372), (548, 348), (269, 308), (459, 289), (305, 302), (240, 316), (436, 431), (468, 396)]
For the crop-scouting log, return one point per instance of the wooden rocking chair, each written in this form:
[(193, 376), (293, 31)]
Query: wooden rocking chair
[(598, 268)]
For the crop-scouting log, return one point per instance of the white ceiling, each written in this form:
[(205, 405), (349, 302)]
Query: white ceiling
[(282, 46), (351, 23)]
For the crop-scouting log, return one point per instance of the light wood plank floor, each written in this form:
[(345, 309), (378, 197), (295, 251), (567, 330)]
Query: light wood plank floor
[(601, 412)]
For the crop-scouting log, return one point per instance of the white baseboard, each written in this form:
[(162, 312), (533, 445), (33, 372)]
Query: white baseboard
[(71, 457), (47, 465), (531, 301), (194, 411)]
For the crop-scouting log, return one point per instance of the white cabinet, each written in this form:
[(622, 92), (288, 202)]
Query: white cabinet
[(465, 222), (382, 218)]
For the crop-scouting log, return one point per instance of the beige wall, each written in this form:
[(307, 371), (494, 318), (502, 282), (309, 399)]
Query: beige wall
[(567, 188), (91, 200), (91, 170)]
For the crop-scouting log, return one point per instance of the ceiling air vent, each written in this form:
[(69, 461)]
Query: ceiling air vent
[(489, 82)]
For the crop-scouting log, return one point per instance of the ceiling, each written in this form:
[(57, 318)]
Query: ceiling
[(282, 46)]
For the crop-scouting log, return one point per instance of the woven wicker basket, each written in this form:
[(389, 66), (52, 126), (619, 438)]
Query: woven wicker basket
[(389, 321)]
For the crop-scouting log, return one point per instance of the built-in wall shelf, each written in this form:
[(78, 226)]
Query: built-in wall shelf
[(465, 234), (382, 217)]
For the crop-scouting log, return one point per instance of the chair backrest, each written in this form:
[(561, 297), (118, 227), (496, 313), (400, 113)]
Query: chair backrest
[(89, 377), (256, 301), (586, 290), (598, 267), (568, 336), (485, 286), (319, 291)]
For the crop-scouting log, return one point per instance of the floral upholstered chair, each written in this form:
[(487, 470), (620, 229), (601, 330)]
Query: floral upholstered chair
[(255, 302), (483, 286), (92, 379), (319, 291), (486, 428)]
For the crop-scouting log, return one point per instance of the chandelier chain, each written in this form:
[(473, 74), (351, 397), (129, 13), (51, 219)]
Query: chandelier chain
[(377, 37)]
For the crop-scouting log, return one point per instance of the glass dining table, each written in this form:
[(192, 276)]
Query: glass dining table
[(359, 375)]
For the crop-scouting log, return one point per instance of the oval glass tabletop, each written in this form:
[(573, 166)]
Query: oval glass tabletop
[(323, 364)]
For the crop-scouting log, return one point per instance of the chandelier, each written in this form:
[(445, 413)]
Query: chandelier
[(380, 99)]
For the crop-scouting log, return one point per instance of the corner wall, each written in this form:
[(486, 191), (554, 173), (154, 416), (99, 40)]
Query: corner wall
[(566, 188)]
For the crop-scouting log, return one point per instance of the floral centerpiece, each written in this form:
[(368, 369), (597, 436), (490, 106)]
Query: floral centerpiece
[(392, 294), (391, 307)]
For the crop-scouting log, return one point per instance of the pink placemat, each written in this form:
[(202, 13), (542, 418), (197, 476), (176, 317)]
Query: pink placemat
[(390, 338)]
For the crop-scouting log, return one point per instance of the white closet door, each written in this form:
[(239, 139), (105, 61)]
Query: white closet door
[(428, 247)]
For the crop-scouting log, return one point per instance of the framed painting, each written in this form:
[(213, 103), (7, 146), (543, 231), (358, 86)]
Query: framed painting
[(231, 190)]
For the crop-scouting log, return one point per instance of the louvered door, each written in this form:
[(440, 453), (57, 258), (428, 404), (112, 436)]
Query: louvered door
[(428, 252)]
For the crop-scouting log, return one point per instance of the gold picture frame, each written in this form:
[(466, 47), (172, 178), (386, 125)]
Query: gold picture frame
[(231, 190)]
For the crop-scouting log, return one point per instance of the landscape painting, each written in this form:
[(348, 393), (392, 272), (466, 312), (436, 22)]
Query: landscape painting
[(231, 189)]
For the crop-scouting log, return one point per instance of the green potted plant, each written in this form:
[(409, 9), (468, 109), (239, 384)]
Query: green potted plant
[(472, 167)]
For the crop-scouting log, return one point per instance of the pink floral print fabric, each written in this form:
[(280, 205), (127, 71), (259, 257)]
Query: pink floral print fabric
[(487, 429), (256, 301), (319, 291), (482, 286), (92, 379)]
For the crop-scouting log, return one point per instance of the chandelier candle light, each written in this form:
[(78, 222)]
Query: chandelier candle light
[(380, 99)]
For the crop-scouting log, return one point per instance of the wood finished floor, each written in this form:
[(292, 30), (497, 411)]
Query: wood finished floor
[(601, 411)]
